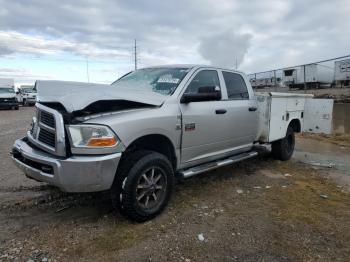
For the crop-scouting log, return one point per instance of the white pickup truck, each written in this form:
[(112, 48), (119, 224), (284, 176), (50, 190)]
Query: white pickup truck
[(135, 136), (27, 94)]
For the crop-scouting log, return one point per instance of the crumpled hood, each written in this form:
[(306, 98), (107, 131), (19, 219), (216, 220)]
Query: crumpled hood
[(76, 96)]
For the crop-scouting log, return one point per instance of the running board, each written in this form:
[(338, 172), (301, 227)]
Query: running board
[(216, 164)]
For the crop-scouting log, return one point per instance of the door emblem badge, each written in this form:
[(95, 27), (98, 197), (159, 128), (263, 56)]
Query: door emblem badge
[(190, 127)]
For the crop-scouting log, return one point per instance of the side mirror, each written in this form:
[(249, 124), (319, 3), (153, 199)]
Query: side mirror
[(17, 92), (205, 93)]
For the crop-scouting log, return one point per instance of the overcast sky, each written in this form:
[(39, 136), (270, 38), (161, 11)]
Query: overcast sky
[(54, 39)]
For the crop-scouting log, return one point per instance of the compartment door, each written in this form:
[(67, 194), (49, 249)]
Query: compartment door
[(318, 116)]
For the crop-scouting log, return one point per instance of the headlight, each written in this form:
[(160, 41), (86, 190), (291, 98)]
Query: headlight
[(92, 136)]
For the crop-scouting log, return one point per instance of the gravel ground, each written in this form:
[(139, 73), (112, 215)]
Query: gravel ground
[(256, 210)]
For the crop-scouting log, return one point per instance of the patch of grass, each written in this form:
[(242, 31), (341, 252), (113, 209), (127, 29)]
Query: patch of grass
[(110, 240), (338, 139), (301, 204)]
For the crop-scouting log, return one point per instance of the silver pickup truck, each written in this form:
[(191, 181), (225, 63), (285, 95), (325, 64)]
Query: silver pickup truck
[(135, 136)]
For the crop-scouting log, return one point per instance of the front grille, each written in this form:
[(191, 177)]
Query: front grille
[(47, 131), (47, 137), (10, 99), (47, 119)]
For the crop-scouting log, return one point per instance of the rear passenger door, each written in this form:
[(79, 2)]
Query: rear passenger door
[(242, 115)]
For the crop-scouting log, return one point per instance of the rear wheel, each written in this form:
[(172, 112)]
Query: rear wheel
[(143, 186), (283, 149)]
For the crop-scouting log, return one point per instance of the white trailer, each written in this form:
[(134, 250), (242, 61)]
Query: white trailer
[(342, 73), (265, 82), (313, 75)]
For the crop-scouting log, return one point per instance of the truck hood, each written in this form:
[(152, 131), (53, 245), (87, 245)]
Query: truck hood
[(7, 95), (75, 96)]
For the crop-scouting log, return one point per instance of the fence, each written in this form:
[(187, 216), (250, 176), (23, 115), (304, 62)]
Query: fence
[(333, 72)]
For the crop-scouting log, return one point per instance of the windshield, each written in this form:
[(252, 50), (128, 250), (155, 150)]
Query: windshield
[(27, 90), (160, 80), (7, 91)]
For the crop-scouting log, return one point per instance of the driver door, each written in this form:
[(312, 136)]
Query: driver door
[(204, 133)]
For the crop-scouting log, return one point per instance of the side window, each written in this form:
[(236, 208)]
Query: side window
[(236, 87), (204, 78)]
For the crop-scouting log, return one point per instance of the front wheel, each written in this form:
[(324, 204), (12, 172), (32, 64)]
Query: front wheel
[(283, 149), (144, 186)]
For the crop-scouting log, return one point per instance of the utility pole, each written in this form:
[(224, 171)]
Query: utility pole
[(87, 70), (135, 55)]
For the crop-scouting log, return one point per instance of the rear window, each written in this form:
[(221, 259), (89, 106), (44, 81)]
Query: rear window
[(235, 85)]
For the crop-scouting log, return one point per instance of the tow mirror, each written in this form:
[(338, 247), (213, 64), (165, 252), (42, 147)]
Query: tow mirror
[(205, 93)]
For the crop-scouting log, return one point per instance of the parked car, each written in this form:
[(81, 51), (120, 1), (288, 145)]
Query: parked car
[(135, 136)]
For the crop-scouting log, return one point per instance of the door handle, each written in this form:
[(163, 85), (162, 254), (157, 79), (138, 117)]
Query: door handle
[(252, 109), (220, 111)]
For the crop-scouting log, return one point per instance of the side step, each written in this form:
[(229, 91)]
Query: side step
[(216, 164)]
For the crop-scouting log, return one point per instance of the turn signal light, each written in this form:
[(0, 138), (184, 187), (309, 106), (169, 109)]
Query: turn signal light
[(102, 142)]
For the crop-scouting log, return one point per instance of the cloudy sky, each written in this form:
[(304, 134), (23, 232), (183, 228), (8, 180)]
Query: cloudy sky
[(66, 39)]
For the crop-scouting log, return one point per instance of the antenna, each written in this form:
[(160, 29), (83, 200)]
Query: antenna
[(135, 55)]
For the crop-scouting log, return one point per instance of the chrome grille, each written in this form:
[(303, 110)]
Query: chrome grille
[(47, 137), (47, 119), (47, 131)]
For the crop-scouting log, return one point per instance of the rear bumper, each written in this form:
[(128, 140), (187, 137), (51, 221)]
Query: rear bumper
[(74, 174)]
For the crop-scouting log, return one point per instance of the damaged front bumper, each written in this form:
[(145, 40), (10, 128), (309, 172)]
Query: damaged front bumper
[(73, 174)]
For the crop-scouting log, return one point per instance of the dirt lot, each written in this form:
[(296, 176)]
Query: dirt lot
[(257, 210)]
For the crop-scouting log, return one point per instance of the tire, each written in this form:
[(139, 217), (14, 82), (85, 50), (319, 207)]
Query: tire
[(137, 198), (16, 107), (283, 149)]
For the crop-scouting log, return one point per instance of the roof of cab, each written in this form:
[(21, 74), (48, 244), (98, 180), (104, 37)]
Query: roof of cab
[(193, 66)]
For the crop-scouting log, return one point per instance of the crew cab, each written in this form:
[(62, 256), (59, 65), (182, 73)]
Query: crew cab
[(135, 136)]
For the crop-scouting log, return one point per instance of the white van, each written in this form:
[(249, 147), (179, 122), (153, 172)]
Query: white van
[(8, 97)]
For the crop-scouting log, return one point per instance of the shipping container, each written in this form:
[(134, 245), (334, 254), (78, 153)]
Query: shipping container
[(313, 75), (342, 73)]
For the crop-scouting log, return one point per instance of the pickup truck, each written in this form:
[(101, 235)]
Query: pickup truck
[(135, 136), (27, 95)]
